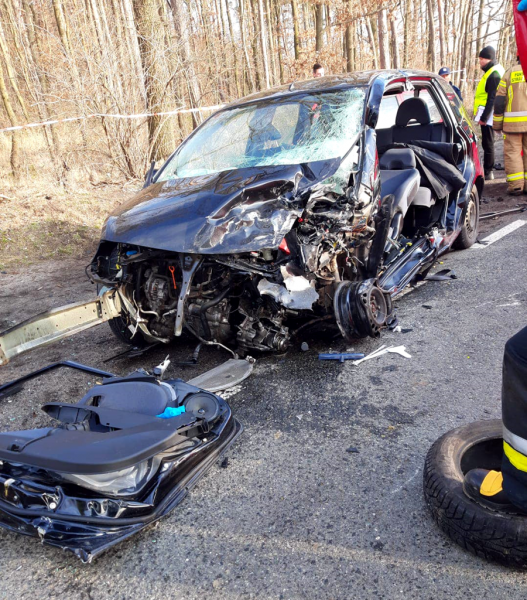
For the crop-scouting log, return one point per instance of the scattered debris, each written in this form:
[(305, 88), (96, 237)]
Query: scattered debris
[(384, 350), (159, 371), (227, 375), (352, 450), (443, 275), (341, 356), (304, 346), (427, 306), (133, 352), (499, 213), (394, 323), (230, 392)]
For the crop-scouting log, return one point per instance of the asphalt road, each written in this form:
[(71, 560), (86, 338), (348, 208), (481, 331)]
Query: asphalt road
[(294, 515)]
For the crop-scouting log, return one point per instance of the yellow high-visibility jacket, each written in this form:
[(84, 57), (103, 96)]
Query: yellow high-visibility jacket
[(510, 105)]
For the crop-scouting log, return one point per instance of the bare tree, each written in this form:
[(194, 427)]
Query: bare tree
[(15, 136), (384, 51), (319, 39), (394, 46), (79, 57), (152, 47)]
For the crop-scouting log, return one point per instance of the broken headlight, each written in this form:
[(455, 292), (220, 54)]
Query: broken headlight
[(124, 482)]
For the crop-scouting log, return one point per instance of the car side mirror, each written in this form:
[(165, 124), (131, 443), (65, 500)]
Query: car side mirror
[(372, 117), (150, 174)]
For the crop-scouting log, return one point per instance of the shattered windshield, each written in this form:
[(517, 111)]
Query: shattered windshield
[(292, 130)]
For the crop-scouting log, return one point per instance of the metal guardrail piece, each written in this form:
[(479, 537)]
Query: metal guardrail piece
[(57, 324)]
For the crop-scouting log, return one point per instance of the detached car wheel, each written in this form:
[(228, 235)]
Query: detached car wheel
[(470, 228), (500, 537)]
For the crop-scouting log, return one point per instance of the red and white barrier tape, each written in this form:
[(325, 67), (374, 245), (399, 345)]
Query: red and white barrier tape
[(115, 116)]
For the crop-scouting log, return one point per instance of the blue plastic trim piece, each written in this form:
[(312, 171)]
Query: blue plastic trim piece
[(341, 356), (171, 412)]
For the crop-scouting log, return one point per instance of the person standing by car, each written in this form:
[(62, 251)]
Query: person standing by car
[(446, 75), (318, 70), (484, 105), (510, 116)]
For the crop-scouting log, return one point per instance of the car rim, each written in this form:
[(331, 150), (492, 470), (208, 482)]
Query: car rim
[(471, 217)]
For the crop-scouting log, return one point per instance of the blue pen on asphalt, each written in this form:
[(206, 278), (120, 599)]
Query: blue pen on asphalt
[(341, 356)]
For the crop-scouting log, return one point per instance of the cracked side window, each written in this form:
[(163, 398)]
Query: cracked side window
[(290, 130)]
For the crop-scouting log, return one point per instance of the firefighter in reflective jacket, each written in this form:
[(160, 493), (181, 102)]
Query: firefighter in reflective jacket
[(484, 105), (510, 116), (507, 490)]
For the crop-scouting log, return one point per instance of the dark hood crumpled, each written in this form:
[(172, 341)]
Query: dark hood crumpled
[(437, 163)]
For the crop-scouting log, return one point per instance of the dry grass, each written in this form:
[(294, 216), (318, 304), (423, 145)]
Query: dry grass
[(41, 218), (36, 225)]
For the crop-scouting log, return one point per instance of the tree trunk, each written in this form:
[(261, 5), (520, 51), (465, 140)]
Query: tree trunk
[(350, 40), (280, 41), (11, 73), (52, 141), (319, 27), (235, 53), (373, 43), (263, 41), (254, 14), (183, 33), (62, 26), (296, 32), (151, 45), (396, 62), (243, 30), (15, 155), (442, 53), (384, 52), (407, 19), (133, 45), (431, 36)]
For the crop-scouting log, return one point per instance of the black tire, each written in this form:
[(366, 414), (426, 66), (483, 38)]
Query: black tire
[(470, 228), (119, 328), (495, 536), (122, 333)]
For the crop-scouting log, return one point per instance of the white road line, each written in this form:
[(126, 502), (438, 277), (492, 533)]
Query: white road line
[(497, 235)]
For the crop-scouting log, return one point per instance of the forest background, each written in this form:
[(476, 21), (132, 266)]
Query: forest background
[(76, 58)]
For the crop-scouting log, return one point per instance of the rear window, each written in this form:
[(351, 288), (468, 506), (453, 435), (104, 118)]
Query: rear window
[(387, 112), (390, 105)]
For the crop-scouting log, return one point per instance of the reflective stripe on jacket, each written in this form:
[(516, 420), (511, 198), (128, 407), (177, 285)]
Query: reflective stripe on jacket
[(514, 416), (481, 94), (510, 106)]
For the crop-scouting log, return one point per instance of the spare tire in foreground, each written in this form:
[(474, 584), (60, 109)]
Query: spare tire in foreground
[(495, 536)]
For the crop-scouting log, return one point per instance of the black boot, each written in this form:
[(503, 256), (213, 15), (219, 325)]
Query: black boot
[(486, 488)]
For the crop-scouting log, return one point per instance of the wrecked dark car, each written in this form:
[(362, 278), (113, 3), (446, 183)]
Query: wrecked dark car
[(119, 459), (320, 200), (293, 205)]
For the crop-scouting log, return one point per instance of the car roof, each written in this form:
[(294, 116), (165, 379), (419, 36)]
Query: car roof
[(332, 82)]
